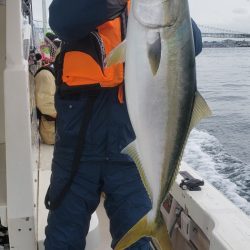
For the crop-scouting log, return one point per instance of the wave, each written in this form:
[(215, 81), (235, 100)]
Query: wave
[(227, 173), (231, 85)]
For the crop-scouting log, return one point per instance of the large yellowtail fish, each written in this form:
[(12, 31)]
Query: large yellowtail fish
[(163, 101)]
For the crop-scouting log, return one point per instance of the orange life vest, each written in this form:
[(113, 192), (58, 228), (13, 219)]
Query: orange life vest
[(82, 65), (82, 69)]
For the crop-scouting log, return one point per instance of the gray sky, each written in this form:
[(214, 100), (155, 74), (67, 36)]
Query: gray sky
[(228, 14)]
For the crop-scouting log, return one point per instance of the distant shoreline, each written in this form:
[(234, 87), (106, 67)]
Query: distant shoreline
[(226, 44)]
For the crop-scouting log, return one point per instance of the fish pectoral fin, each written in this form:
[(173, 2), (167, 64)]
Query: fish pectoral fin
[(201, 110), (131, 150), (142, 228), (117, 55), (154, 50)]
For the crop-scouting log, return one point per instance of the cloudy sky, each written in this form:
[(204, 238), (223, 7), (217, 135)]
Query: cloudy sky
[(228, 14)]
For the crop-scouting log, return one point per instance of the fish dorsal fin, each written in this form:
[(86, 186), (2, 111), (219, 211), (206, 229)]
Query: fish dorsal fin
[(154, 50), (117, 55), (131, 150), (201, 110)]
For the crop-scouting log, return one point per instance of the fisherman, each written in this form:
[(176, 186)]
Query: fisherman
[(93, 127), (45, 89)]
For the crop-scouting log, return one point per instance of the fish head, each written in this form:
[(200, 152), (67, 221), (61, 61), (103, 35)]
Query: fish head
[(158, 13), (159, 19)]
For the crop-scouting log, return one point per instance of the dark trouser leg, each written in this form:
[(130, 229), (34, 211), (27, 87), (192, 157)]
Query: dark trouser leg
[(126, 200), (68, 225)]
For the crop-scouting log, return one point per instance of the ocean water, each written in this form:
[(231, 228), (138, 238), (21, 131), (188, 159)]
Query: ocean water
[(219, 147)]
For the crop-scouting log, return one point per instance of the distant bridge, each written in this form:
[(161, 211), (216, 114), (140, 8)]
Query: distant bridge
[(208, 31), (225, 35)]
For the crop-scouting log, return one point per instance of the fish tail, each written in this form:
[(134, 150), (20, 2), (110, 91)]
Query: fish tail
[(143, 228)]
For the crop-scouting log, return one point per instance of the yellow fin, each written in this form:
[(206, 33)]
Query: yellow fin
[(161, 237), (201, 110), (142, 228), (131, 150), (117, 55)]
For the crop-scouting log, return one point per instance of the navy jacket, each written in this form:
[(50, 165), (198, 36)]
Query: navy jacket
[(110, 129), (74, 20)]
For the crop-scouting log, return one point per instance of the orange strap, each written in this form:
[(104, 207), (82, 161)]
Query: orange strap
[(121, 94)]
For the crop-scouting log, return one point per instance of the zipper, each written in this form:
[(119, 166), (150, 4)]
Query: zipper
[(100, 42)]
